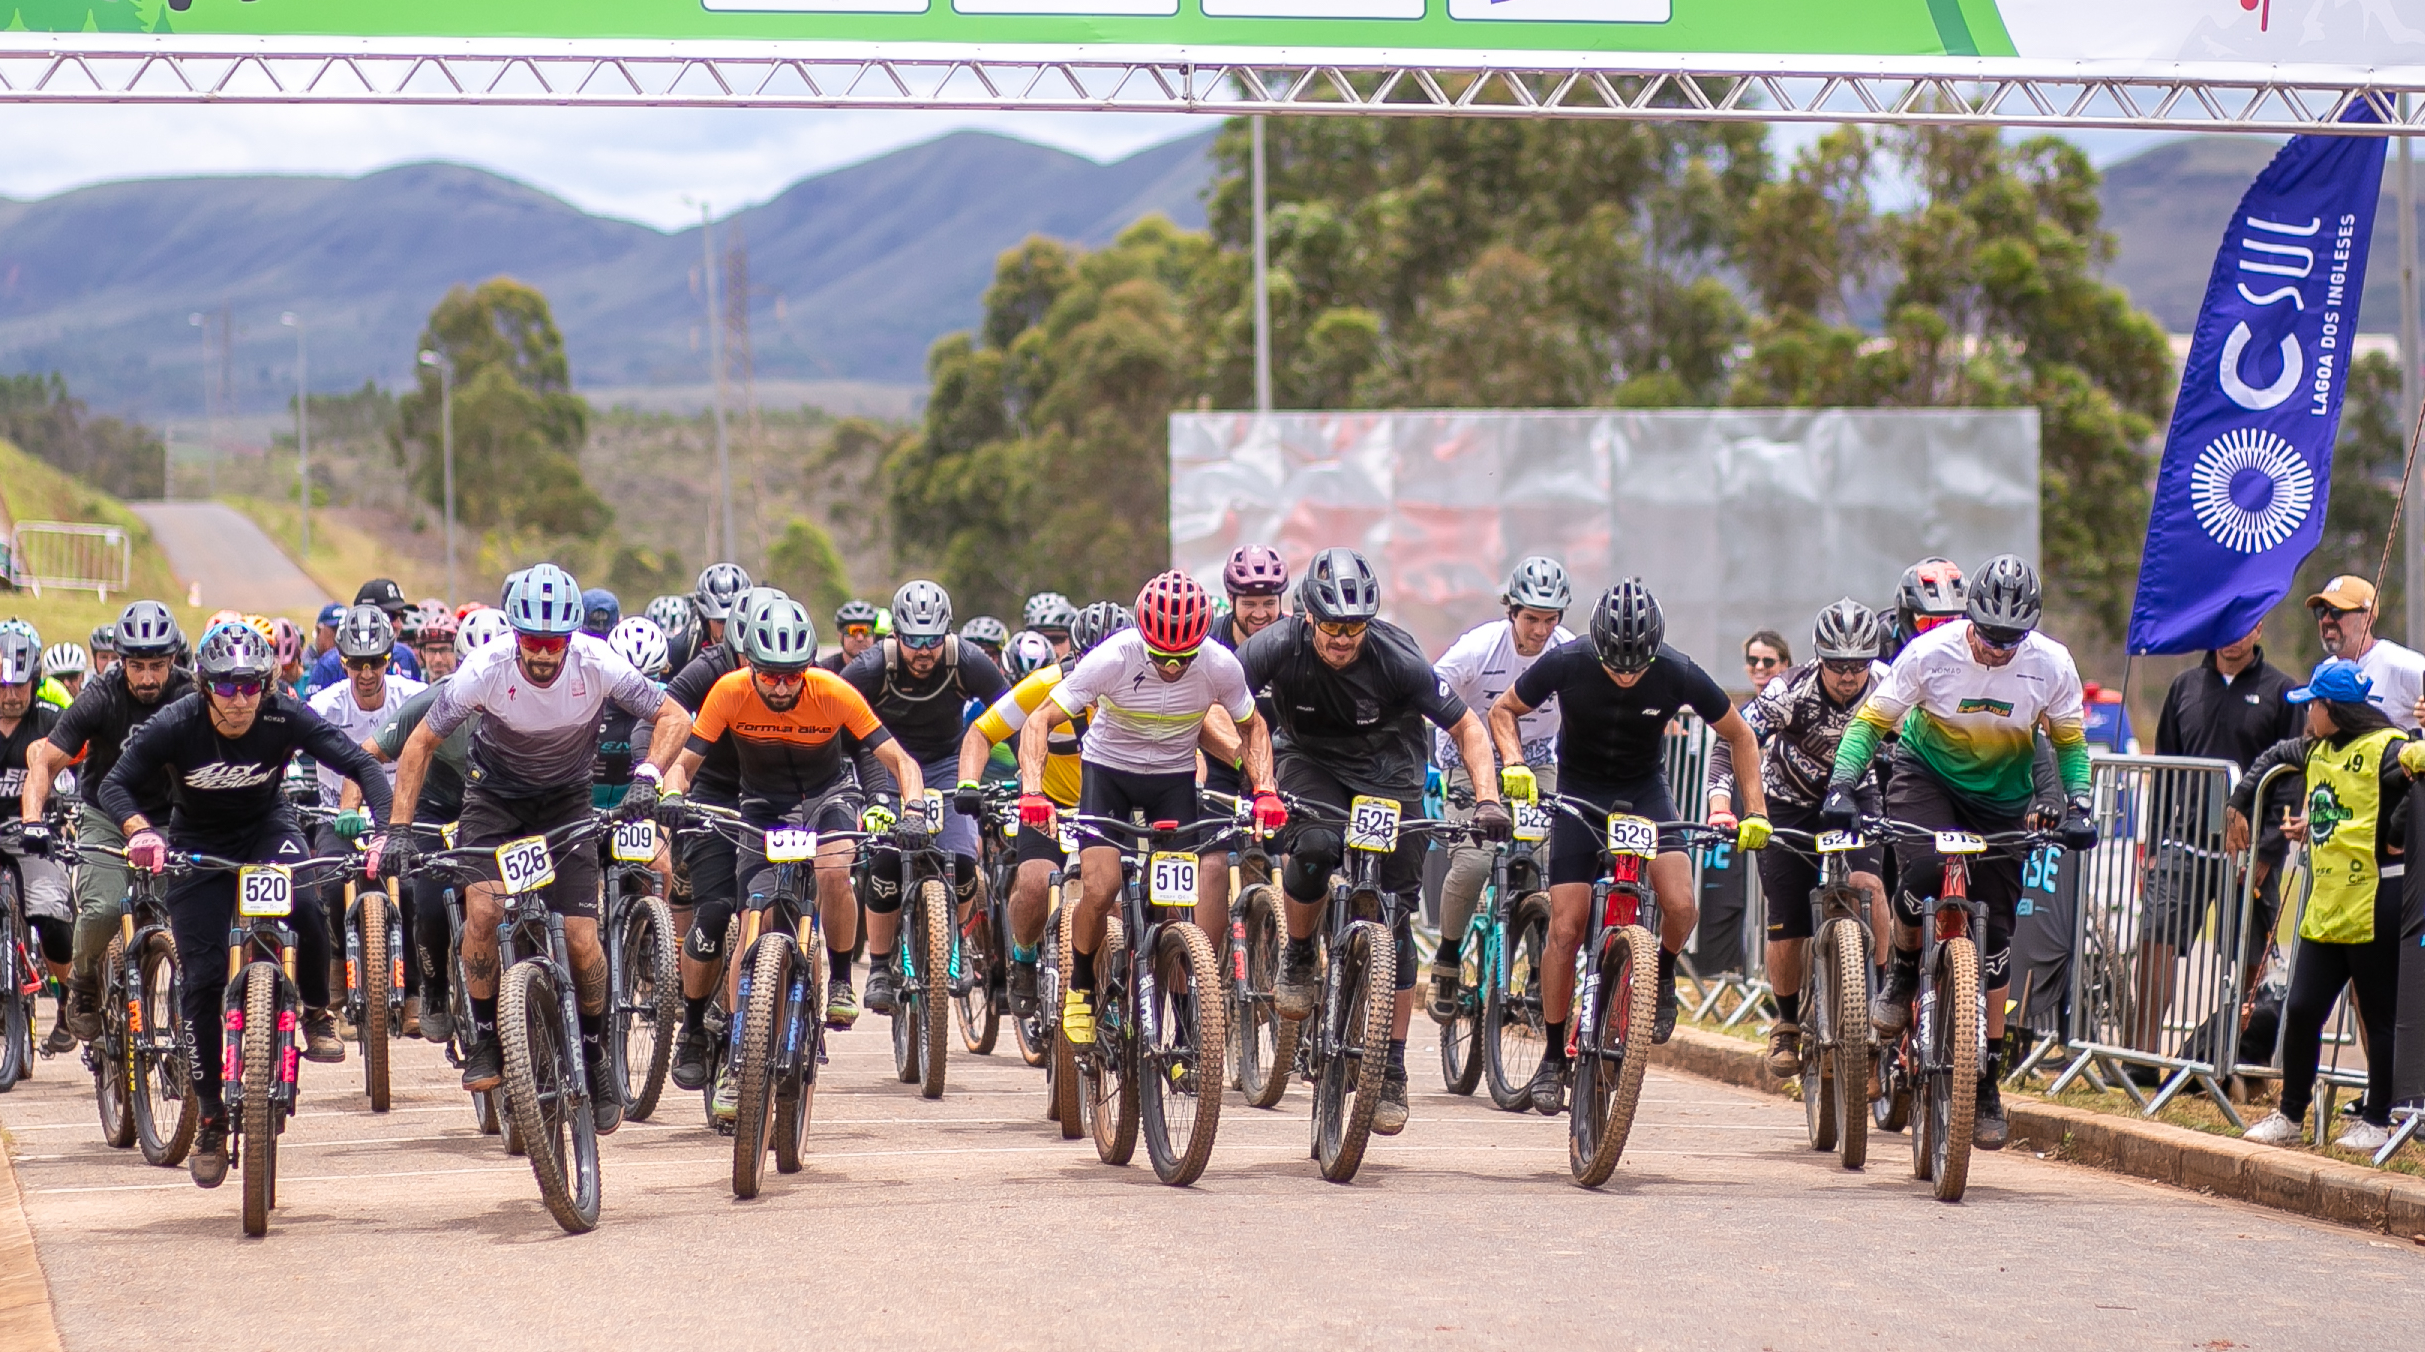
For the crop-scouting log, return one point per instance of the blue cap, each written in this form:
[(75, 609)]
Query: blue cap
[(2337, 679), (332, 614)]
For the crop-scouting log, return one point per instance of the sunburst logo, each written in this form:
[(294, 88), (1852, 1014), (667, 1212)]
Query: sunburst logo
[(2251, 489)]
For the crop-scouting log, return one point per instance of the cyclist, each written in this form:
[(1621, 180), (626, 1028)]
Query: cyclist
[(1617, 688), (1930, 594), (104, 643), (1027, 653), (329, 668), (1144, 692), (989, 634), (437, 646), (791, 726), (225, 750), (1968, 699), (918, 681), (601, 611), (145, 680), (640, 642), (855, 630), (1253, 577), (539, 698), (1050, 614), (1353, 691), (356, 706), (709, 860), (719, 586), (1037, 852), (674, 618), (286, 638), (67, 664), (47, 688), (25, 721), (1800, 720), (1478, 668)]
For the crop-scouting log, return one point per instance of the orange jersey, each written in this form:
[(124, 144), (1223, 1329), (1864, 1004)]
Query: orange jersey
[(789, 757)]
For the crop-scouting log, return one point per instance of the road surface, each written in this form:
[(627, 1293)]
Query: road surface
[(237, 567)]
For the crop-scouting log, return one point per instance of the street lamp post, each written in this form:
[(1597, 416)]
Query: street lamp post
[(303, 435), (446, 438), (210, 425)]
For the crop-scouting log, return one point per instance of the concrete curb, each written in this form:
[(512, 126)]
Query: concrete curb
[(26, 1322), (2222, 1166)]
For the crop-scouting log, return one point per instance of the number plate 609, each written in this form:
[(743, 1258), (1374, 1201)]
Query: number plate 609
[(268, 890), (635, 842), (525, 865)]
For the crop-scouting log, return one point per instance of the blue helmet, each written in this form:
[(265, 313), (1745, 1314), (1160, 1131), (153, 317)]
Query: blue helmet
[(545, 601), (600, 611)]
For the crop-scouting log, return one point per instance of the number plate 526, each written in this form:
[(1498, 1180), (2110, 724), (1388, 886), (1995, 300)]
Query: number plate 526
[(268, 890), (1170, 879), (525, 865)]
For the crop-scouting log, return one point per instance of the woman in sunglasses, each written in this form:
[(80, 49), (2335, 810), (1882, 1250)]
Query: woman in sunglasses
[(1765, 658), (224, 750)]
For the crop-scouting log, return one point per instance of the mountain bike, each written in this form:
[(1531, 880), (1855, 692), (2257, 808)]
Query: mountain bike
[(141, 1062), (21, 978), (643, 981), (982, 988), (1262, 1045), (1929, 1076), (1837, 1044), (1498, 1032), (373, 998), (1156, 1059), (1343, 1046), (927, 959), (546, 1087)]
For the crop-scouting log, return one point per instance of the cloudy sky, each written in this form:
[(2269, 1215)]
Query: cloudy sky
[(638, 163)]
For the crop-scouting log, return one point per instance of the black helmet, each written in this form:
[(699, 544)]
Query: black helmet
[(1627, 626), (234, 652), (1340, 588), (1847, 630), (1931, 590), (719, 585), (146, 629), (1095, 624), (855, 611), (2005, 600), (365, 632), (105, 639)]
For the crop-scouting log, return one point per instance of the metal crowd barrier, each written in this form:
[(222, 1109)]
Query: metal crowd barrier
[(2159, 963), (71, 556), (1740, 977)]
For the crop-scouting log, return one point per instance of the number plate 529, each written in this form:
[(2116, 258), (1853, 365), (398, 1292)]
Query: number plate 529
[(525, 864), (268, 890), (1170, 879), (1637, 836)]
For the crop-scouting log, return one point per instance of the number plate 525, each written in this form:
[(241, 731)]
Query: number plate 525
[(525, 864), (268, 890), (1170, 879), (1372, 824)]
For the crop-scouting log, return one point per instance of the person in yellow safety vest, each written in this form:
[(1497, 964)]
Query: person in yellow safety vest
[(2358, 768)]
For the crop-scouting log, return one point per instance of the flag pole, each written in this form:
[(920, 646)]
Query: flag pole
[(2400, 503)]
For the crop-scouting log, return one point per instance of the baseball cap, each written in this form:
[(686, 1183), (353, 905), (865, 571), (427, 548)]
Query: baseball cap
[(2337, 679), (383, 593), (332, 615), (2345, 593)]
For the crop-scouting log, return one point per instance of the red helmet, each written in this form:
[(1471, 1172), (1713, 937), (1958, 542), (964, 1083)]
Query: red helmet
[(1173, 613), (1254, 570)]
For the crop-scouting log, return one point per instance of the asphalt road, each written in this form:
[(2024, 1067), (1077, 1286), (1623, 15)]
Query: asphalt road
[(969, 1222), (219, 549)]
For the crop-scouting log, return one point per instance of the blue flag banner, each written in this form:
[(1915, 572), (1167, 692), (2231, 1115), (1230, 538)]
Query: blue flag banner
[(2248, 461)]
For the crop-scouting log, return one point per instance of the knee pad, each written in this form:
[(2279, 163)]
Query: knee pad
[(1310, 861), (884, 887), (1995, 960), (1908, 910), (705, 942), (964, 877)]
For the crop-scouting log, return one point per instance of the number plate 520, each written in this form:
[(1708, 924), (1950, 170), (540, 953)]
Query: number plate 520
[(1170, 879), (525, 865), (268, 890)]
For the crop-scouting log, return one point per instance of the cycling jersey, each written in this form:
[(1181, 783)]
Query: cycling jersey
[(790, 757), (719, 778), (442, 788), (1799, 727), (1002, 721), (37, 723), (1141, 723), (229, 787), (101, 720), (1479, 667), (1973, 727), (337, 705), (537, 738), (53, 692), (924, 712), (1364, 724), (1610, 734)]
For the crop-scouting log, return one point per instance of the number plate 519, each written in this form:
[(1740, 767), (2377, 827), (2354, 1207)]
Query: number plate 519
[(1170, 879)]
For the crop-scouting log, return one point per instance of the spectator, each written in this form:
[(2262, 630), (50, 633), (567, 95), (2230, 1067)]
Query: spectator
[(2345, 616), (324, 633), (1765, 657)]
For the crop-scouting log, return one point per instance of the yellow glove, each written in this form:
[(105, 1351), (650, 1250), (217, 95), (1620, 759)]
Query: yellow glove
[(2412, 757), (1517, 784), (878, 819), (1751, 833)]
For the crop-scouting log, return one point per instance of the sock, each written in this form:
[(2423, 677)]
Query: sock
[(1450, 951), (1397, 1057), (1907, 965), (837, 967), (1667, 972), (1301, 950), (1789, 1007), (1993, 1067), (1555, 1052), (1081, 969), (484, 1014), (1022, 952), (593, 1026)]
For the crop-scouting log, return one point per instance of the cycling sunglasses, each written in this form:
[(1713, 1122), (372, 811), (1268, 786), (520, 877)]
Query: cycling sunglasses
[(781, 680), (365, 663), (1342, 628), (922, 643), (1170, 661), (1846, 666), (1921, 624), (237, 689), (543, 643), (2002, 640), (858, 631)]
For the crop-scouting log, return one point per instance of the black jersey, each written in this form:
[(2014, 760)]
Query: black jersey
[(223, 785), (925, 714), (718, 782), (100, 721), (32, 728), (1363, 724), (1610, 734)]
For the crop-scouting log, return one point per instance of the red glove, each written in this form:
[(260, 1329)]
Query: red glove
[(1036, 810), (1270, 813), (147, 851)]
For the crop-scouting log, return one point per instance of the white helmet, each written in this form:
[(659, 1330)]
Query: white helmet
[(640, 642), (66, 659), (479, 629)]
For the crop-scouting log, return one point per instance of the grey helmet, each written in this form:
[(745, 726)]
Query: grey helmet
[(1095, 624), (668, 611), (778, 636), (20, 658), (1048, 611), (1339, 587), (1627, 626), (753, 600), (720, 584), (365, 632), (235, 652), (921, 609), (147, 629), (2005, 598), (1847, 630), (1930, 589), (987, 630), (1538, 583)]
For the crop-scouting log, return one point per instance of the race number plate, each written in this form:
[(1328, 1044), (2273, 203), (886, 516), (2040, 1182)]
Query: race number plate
[(1840, 842), (1532, 822), (930, 807), (1959, 842), (525, 865), (1372, 824), (1170, 879), (446, 834), (790, 845), (1068, 838), (635, 842), (268, 890), (1637, 836)]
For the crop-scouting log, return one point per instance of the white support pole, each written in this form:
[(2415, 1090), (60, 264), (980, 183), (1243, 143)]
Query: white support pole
[(1262, 282), (2412, 573), (715, 358)]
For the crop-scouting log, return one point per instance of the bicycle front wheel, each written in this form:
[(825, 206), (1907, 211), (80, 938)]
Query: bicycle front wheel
[(167, 1113), (375, 981), (1513, 1037), (257, 1135), (1267, 1043), (1461, 1040), (1357, 1024), (980, 968), (769, 968), (1955, 1033), (16, 1008), (1817, 1079), (543, 1098), (1851, 953), (1180, 1064), (933, 1024), (113, 1055), (647, 1008), (1063, 1086), (1613, 1053)]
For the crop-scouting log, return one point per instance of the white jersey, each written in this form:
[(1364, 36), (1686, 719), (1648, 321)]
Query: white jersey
[(1142, 723), (2399, 677), (532, 737), (336, 705), (1479, 667)]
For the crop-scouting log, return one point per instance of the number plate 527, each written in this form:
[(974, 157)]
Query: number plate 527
[(525, 864), (268, 890), (1170, 879)]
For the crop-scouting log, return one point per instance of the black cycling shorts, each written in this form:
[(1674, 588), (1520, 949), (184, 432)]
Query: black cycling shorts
[(490, 820), (837, 810), (1576, 848), (1034, 844), (1789, 878), (1916, 797), (1125, 795)]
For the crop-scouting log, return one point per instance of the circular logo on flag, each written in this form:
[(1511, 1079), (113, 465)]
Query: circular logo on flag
[(2251, 490)]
